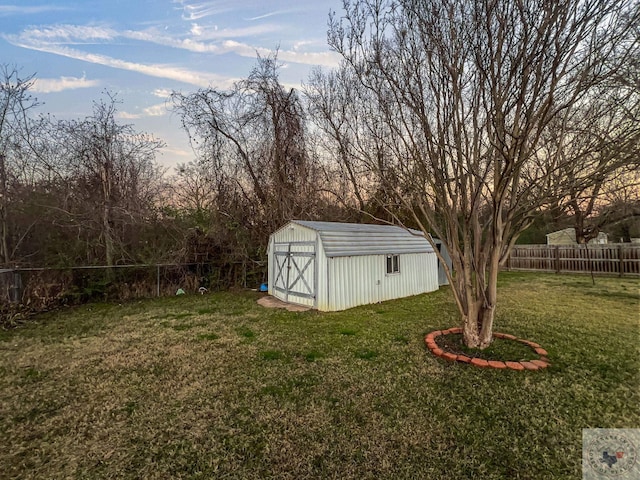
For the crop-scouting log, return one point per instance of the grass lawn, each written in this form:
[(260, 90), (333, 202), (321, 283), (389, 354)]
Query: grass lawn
[(215, 386)]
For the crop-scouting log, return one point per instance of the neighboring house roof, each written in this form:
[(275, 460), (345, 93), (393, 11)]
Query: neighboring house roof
[(569, 235), (568, 232), (352, 239)]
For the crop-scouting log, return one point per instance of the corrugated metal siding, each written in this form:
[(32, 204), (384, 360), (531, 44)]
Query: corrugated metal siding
[(442, 276), (361, 280), (349, 239), (293, 232)]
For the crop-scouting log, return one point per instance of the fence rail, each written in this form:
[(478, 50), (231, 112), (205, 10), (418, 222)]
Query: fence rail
[(620, 259), (41, 287)]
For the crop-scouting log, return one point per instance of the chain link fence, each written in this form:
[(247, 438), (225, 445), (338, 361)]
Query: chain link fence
[(24, 291)]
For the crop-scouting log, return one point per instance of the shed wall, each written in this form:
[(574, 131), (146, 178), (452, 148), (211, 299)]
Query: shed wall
[(293, 232), (302, 239), (442, 276), (361, 280)]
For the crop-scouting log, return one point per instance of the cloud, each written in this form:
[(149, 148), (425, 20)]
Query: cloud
[(6, 10), (75, 34), (52, 38), (204, 35), (157, 110), (162, 92), (192, 77), (306, 43), (195, 11), (181, 152), (329, 59), (270, 14), (226, 45), (62, 39), (324, 58), (52, 85)]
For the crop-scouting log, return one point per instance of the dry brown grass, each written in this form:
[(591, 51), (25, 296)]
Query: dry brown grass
[(217, 387)]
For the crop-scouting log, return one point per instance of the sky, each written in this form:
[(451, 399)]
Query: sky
[(142, 50)]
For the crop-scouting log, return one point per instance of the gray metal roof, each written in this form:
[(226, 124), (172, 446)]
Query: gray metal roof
[(351, 239)]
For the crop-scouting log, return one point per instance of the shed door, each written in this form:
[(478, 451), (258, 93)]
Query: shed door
[(294, 272)]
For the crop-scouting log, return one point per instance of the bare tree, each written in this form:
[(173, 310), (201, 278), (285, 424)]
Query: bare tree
[(460, 95), (254, 136), (15, 125), (252, 146), (112, 171), (597, 139), (195, 188), (348, 124)]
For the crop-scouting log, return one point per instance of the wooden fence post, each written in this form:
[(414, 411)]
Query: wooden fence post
[(557, 252), (620, 261), (15, 291)]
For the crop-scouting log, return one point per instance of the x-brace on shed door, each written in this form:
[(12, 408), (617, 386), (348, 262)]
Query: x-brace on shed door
[(295, 272)]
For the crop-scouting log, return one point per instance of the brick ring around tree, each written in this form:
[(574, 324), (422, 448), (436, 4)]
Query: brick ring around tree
[(541, 362)]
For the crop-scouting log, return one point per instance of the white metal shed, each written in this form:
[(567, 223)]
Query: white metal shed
[(442, 248), (334, 266)]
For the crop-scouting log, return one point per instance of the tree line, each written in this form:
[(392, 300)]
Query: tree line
[(91, 192), (473, 121)]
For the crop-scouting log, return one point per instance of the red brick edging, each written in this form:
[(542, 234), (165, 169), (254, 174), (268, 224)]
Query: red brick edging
[(537, 364)]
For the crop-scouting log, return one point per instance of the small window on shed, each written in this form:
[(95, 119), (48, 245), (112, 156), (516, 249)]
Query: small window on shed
[(393, 264)]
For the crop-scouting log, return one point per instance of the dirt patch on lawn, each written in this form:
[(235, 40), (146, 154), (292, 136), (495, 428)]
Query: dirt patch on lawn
[(273, 302)]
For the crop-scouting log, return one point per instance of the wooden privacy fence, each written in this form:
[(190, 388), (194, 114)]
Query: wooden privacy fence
[(622, 259)]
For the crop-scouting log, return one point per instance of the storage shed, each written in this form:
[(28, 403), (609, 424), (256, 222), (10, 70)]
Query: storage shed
[(334, 266), (442, 248)]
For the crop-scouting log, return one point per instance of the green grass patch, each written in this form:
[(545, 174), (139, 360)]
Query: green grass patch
[(401, 339), (246, 333), (173, 316), (181, 327), (33, 375), (208, 336), (272, 355), (293, 388), (313, 355), (206, 311), (117, 391), (366, 354), (128, 409), (349, 332)]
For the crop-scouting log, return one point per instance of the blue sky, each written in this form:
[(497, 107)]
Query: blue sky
[(144, 49)]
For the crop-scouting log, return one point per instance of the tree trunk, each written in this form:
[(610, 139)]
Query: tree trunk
[(108, 236), (477, 327), (4, 234), (4, 224), (478, 322)]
